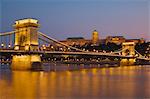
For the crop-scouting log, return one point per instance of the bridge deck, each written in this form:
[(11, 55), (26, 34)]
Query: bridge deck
[(72, 53)]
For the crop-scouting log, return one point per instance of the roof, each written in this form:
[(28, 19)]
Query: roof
[(28, 20), (116, 36), (74, 38)]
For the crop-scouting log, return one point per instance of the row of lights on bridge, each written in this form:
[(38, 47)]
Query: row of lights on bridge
[(147, 52), (44, 47), (3, 45)]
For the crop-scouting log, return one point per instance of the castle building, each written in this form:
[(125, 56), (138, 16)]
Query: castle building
[(115, 39), (95, 37), (75, 41)]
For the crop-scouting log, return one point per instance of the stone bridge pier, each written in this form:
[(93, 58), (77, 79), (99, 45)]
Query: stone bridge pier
[(26, 39)]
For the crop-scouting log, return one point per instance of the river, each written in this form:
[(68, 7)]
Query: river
[(125, 82)]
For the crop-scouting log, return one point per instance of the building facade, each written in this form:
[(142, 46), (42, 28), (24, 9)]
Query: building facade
[(115, 39), (120, 39), (75, 41)]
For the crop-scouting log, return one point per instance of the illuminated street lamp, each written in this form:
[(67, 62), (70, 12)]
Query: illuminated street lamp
[(44, 47), (9, 46), (61, 49), (68, 48), (2, 45), (52, 47)]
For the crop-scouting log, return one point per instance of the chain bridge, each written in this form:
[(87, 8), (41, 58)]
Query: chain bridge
[(24, 45)]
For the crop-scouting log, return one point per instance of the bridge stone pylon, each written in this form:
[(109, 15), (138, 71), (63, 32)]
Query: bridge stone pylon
[(26, 37), (128, 48)]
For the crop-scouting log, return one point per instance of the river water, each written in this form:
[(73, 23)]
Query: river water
[(126, 82)]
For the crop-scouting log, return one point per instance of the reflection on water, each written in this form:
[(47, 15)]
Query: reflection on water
[(126, 82)]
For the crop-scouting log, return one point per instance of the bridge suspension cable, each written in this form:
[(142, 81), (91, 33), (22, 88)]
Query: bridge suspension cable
[(117, 51), (56, 41), (44, 40), (120, 50), (139, 53), (9, 33)]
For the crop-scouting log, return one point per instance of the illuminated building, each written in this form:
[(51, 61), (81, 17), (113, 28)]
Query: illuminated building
[(81, 41), (75, 41), (120, 39), (96, 41), (95, 37), (136, 40), (115, 39), (26, 37)]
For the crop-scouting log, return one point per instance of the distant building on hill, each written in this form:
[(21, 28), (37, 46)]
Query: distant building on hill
[(120, 39), (115, 39), (95, 37), (136, 40), (75, 41), (94, 41)]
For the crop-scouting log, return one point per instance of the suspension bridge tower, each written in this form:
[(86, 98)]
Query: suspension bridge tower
[(128, 50), (26, 39)]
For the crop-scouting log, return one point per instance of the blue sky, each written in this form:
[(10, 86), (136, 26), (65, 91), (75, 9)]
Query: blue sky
[(73, 18), (0, 15)]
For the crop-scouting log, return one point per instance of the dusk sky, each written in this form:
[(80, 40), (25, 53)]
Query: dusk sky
[(78, 18)]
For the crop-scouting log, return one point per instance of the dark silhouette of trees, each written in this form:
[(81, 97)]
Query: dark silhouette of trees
[(141, 47), (102, 47)]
